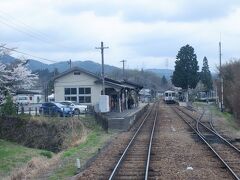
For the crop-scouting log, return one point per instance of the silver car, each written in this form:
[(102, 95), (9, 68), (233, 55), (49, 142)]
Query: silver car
[(77, 107)]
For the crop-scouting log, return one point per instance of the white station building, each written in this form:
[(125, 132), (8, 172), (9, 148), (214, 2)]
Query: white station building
[(80, 85)]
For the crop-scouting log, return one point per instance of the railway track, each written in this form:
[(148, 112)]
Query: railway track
[(135, 160), (226, 152)]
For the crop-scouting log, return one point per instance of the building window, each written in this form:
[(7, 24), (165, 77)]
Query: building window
[(84, 90), (88, 99), (84, 99), (81, 90), (71, 98), (87, 90), (81, 99), (84, 95), (70, 91), (76, 73)]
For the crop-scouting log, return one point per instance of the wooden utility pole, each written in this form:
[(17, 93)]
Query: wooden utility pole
[(220, 71), (102, 53), (123, 70), (70, 63)]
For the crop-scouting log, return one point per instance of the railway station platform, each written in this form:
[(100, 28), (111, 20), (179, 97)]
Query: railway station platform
[(122, 121)]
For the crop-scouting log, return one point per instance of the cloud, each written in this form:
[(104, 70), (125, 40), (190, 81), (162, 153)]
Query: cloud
[(151, 10), (142, 32)]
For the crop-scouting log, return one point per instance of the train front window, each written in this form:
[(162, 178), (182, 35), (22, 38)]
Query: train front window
[(166, 94)]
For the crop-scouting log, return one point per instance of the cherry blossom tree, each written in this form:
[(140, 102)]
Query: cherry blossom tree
[(15, 76)]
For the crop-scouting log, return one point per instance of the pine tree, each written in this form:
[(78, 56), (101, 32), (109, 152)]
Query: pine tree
[(186, 74), (164, 81), (206, 76)]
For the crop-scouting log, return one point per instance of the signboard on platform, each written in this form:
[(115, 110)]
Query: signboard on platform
[(104, 104)]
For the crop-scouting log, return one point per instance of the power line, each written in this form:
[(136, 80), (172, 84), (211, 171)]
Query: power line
[(9, 49), (22, 31), (26, 29), (20, 22)]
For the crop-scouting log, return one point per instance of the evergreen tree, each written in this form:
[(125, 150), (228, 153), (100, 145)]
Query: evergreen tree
[(8, 107), (206, 76), (164, 81), (186, 68)]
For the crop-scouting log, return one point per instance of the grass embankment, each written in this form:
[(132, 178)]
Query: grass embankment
[(95, 139), (13, 156), (229, 120), (83, 142)]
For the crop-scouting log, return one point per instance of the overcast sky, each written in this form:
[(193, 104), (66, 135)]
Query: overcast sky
[(146, 33)]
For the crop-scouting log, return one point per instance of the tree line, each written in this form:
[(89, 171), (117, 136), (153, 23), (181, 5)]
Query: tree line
[(231, 86), (186, 74)]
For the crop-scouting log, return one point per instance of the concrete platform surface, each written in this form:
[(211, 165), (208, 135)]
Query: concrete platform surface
[(123, 121), (125, 113)]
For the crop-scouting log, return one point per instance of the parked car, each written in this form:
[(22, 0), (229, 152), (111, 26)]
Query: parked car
[(22, 100), (77, 107), (55, 109)]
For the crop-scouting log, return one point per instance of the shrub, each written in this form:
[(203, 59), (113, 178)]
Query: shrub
[(8, 108), (231, 81), (48, 154)]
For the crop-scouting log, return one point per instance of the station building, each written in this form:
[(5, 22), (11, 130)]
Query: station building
[(80, 85)]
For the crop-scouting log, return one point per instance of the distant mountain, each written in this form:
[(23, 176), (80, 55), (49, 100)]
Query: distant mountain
[(162, 72), (36, 65), (88, 65), (6, 59)]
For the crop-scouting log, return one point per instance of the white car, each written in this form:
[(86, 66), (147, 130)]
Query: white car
[(78, 108)]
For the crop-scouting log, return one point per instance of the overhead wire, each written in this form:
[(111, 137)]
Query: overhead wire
[(14, 50), (18, 21), (19, 30), (25, 29)]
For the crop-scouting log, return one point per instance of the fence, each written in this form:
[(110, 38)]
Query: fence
[(102, 121)]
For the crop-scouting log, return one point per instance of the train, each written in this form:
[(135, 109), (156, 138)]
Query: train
[(170, 97)]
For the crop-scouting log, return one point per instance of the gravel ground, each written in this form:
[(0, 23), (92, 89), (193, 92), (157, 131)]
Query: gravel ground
[(230, 129), (181, 155), (101, 168)]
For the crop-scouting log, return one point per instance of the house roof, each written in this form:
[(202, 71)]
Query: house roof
[(138, 86), (108, 81), (23, 91), (76, 69)]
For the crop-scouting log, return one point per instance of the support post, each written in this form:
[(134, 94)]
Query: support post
[(123, 70), (103, 78), (221, 76)]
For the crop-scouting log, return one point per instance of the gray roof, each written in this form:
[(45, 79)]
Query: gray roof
[(76, 69), (108, 81)]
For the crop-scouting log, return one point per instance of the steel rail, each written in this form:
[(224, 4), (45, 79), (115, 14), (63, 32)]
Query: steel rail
[(150, 146), (204, 140), (128, 146), (201, 134), (213, 131)]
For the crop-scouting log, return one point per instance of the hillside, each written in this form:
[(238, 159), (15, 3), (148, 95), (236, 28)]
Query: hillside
[(162, 72), (89, 65)]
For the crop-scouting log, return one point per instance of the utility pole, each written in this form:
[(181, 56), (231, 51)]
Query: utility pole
[(123, 70), (70, 63), (220, 71), (102, 53)]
